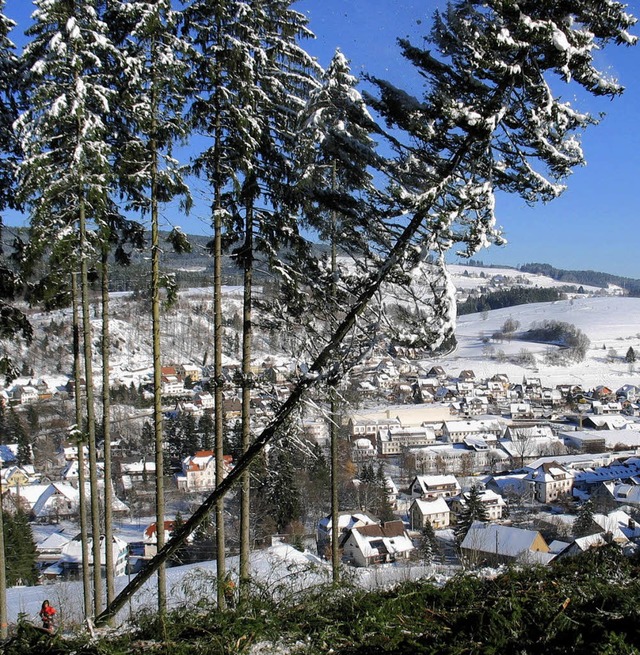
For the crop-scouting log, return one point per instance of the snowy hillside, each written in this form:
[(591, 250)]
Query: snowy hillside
[(472, 278), (611, 323)]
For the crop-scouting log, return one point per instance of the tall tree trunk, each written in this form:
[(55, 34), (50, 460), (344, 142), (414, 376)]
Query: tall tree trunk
[(333, 414), (218, 417), (106, 427), (90, 413), (247, 330), (157, 377), (218, 412), (82, 483)]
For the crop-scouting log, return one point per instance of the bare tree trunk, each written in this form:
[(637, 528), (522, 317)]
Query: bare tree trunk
[(91, 424), (82, 488), (333, 427), (106, 428), (157, 378), (218, 416), (247, 332)]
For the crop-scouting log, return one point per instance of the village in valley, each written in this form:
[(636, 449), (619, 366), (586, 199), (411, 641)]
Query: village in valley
[(482, 461)]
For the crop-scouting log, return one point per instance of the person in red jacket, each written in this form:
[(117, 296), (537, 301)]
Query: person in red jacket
[(47, 613)]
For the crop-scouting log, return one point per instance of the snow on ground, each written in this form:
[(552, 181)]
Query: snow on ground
[(282, 569), (610, 322), (469, 278)]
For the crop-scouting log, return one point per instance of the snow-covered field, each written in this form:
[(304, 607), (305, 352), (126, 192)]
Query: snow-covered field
[(612, 323)]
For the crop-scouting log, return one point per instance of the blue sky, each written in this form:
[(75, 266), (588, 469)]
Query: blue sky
[(592, 226)]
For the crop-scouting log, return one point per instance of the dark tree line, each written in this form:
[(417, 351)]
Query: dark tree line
[(591, 278), (508, 298)]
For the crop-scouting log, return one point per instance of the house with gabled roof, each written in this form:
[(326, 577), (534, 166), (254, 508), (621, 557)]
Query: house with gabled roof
[(376, 544), (17, 476), (433, 486), (500, 544), (434, 511), (456, 431), (436, 372), (70, 563), (346, 521), (25, 394), (199, 471), (57, 500), (550, 480)]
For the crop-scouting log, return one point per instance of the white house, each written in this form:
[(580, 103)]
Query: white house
[(433, 486), (456, 431), (376, 544), (57, 500), (346, 521), (199, 471), (395, 439), (26, 394), (435, 511), (69, 566), (551, 480), (203, 400)]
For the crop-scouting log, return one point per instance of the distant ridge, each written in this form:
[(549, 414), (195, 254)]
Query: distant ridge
[(592, 278)]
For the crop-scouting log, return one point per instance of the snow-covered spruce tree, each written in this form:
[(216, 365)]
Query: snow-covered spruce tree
[(221, 111), (584, 524), (13, 322), (258, 77), (487, 119), (152, 107), (473, 509), (337, 157), (65, 174), (282, 77)]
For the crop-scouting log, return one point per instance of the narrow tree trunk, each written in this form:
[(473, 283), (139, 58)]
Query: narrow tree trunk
[(218, 417), (91, 425), (106, 428), (157, 378), (247, 331), (335, 512), (82, 488), (333, 418)]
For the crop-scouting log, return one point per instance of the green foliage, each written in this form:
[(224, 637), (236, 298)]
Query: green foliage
[(428, 543), (562, 334), (585, 604), (630, 357), (472, 510), (20, 550), (508, 298), (584, 524)]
